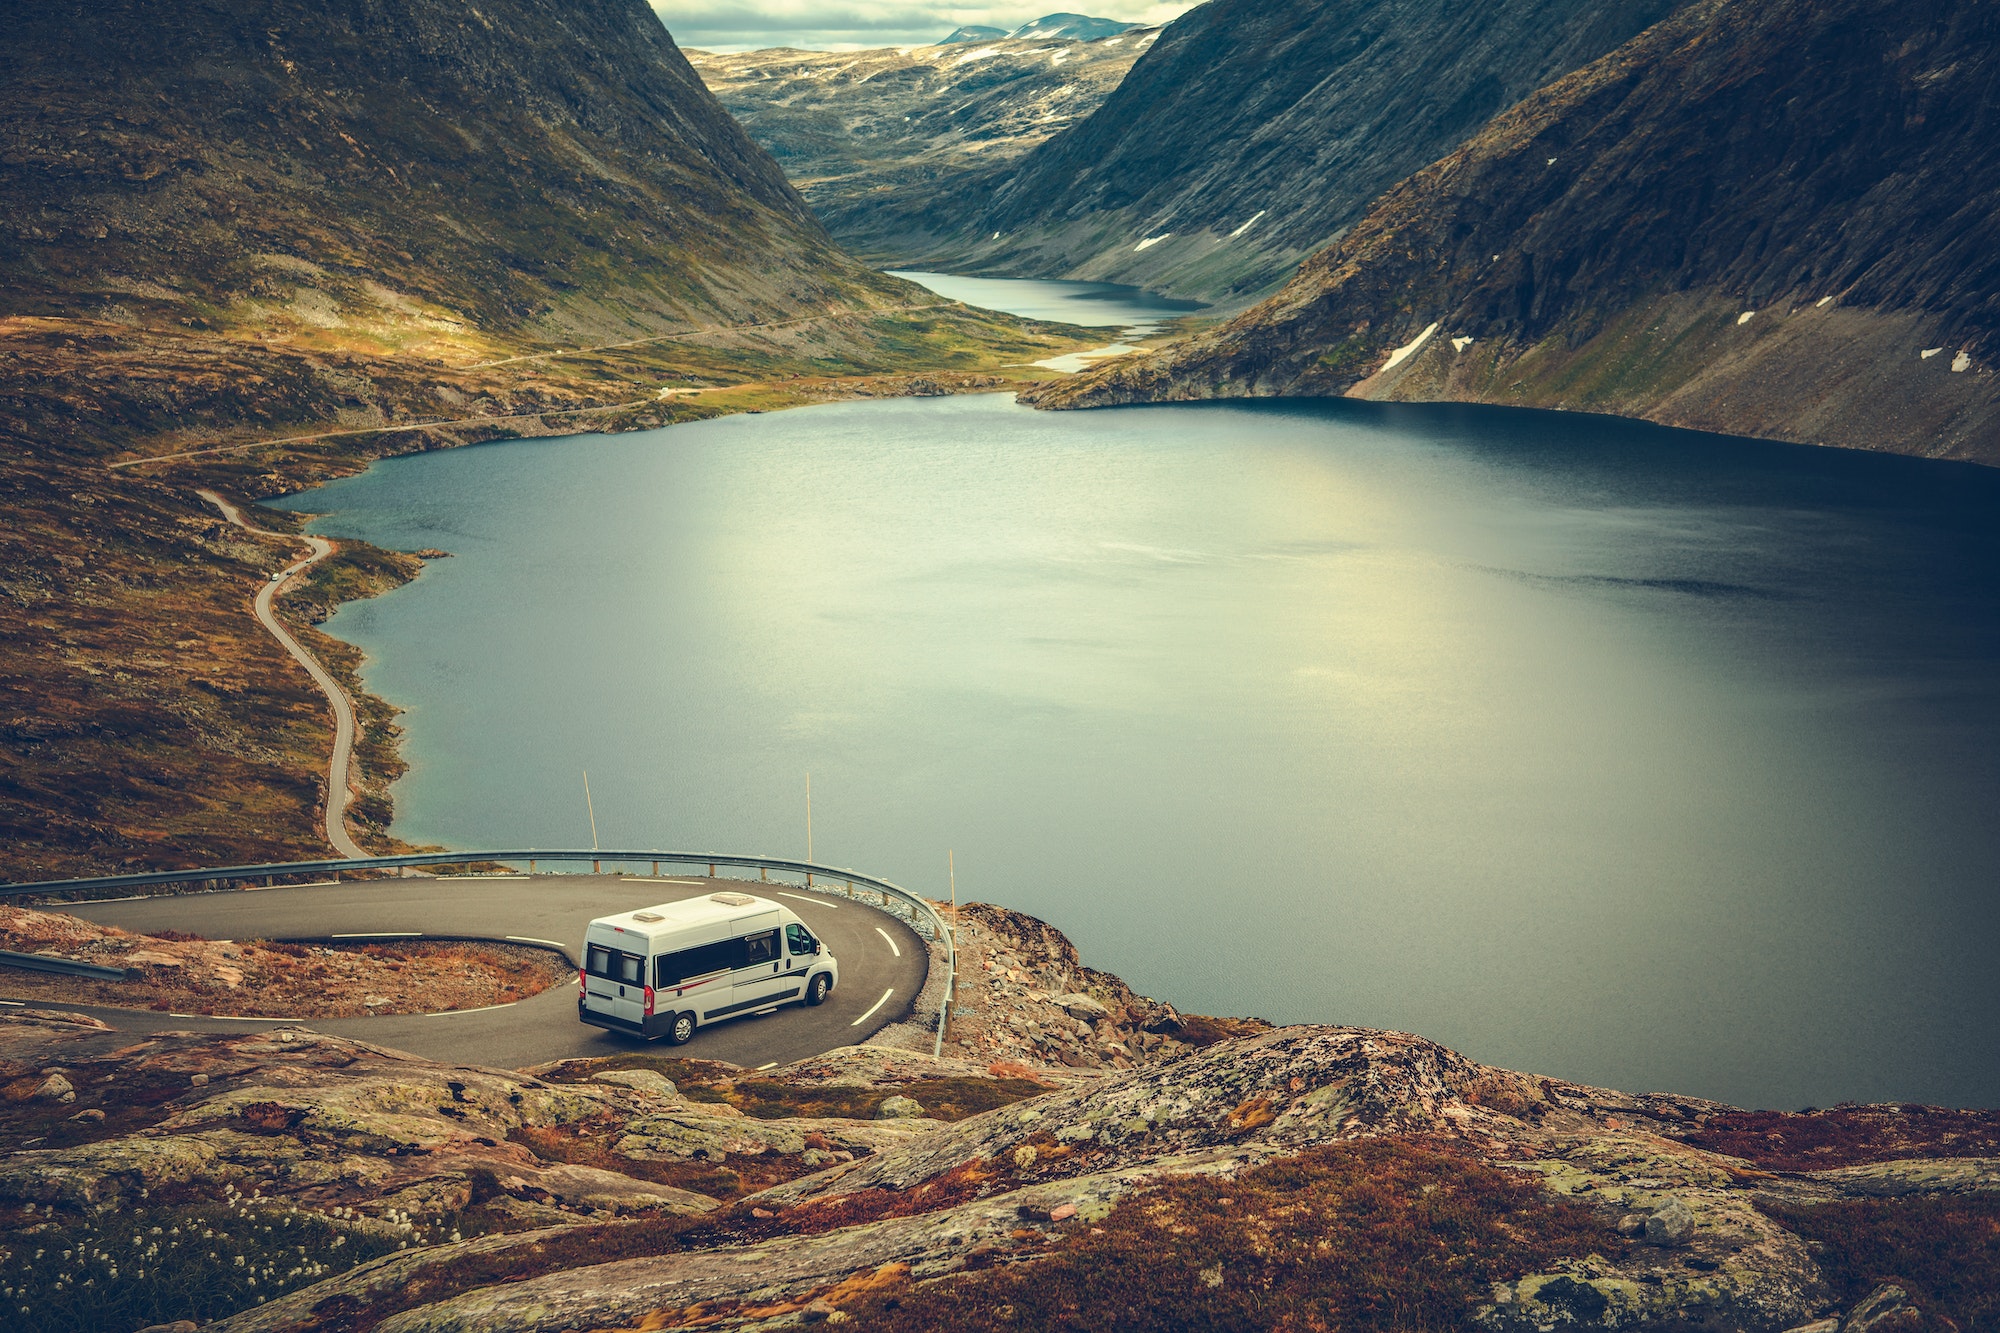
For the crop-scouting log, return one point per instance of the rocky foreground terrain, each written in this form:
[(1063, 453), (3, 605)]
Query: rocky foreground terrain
[(1770, 219), (1302, 1177), (1247, 137)]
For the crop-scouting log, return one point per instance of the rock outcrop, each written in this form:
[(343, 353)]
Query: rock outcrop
[(1759, 219)]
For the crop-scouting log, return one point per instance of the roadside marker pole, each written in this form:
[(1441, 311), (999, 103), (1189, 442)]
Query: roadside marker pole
[(596, 867)]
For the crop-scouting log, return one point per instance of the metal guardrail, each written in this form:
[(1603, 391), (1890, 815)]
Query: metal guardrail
[(38, 962), (922, 914)]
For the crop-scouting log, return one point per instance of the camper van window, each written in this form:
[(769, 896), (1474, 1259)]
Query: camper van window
[(614, 964), (760, 948), (799, 939), (674, 968)]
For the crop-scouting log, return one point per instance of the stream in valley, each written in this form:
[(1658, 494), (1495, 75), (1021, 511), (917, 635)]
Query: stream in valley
[(1647, 758)]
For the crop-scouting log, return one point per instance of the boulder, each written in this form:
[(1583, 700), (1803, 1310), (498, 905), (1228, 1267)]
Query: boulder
[(1887, 1307), (899, 1108), (641, 1080), (55, 1088), (1672, 1223), (1078, 1005)]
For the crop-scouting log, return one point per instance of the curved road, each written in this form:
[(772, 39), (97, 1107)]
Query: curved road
[(337, 794), (882, 962)]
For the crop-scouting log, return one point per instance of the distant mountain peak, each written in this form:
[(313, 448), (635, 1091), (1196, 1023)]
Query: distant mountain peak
[(973, 33), (1049, 27), (1075, 27)]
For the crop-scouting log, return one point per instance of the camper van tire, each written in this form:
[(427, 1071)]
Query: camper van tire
[(817, 989), (681, 1031)]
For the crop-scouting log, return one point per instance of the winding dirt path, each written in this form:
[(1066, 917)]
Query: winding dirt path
[(337, 794)]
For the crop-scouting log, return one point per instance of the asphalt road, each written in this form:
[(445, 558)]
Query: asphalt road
[(882, 962), (343, 710)]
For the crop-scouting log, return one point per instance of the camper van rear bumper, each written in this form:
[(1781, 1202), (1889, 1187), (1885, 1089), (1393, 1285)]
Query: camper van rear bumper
[(651, 1026)]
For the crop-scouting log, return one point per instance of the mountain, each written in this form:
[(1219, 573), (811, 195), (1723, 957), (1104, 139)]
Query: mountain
[(527, 164), (1070, 27), (853, 128), (973, 33), (1249, 135), (1763, 217)]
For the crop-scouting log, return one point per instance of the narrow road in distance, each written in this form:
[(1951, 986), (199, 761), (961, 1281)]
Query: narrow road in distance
[(883, 963), (343, 710)]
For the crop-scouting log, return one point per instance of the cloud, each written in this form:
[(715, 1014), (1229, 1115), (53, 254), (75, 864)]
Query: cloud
[(745, 24)]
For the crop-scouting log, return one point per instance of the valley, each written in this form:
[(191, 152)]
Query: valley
[(265, 252)]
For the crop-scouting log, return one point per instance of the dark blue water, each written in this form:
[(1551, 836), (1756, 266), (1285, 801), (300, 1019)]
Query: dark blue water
[(1652, 759)]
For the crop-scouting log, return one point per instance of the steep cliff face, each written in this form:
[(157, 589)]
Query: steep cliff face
[(365, 165), (1251, 134), (1777, 219), (858, 130)]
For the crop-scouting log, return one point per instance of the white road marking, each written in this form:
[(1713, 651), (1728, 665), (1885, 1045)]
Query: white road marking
[(817, 902), (240, 1018), (892, 943), (484, 1009), (772, 1065), (654, 879), (381, 935), (873, 1007), (530, 939), (15, 1003), (478, 876)]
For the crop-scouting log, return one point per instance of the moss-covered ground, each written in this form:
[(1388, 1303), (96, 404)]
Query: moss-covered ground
[(1379, 1235)]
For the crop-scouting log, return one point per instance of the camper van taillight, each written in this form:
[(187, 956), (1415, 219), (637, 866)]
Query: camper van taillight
[(582, 986), (649, 1001)]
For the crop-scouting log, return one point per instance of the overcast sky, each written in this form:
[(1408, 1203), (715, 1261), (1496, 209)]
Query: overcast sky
[(846, 24)]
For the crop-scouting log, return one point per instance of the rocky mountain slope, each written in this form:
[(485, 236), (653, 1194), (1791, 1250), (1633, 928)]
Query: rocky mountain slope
[(1250, 135), (860, 130), (1292, 1177), (1774, 219), (391, 171)]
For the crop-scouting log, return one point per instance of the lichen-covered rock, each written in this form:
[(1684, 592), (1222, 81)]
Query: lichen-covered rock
[(899, 1108), (642, 1080), (1672, 1223)]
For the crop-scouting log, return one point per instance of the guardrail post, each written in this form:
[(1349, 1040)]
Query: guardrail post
[(656, 870), (764, 873), (711, 870), (531, 865), (597, 867)]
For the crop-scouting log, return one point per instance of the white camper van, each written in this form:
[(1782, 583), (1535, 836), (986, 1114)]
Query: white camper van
[(664, 971)]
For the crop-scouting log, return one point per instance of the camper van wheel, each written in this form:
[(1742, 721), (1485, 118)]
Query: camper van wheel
[(817, 988), (681, 1030)]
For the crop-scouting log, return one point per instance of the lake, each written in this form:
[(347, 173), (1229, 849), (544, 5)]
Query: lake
[(1648, 758)]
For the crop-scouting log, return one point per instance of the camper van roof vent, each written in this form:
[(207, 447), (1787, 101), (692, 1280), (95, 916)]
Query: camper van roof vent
[(647, 916), (731, 899)]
